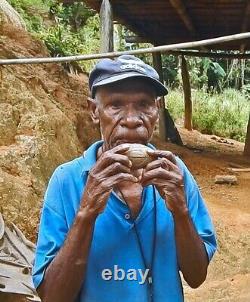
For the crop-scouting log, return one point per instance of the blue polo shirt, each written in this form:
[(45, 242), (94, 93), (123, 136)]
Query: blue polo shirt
[(115, 244)]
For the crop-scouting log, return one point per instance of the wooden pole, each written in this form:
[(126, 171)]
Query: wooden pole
[(247, 142), (157, 63), (163, 48), (107, 35), (187, 94), (207, 54), (243, 62)]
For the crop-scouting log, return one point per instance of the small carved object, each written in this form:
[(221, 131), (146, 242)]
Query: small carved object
[(138, 155)]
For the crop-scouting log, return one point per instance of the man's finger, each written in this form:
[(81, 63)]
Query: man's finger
[(159, 173), (162, 153), (163, 176), (160, 162), (108, 158), (114, 169), (115, 179), (120, 148)]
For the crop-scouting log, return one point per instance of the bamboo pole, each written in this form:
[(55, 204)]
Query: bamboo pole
[(163, 48), (187, 94)]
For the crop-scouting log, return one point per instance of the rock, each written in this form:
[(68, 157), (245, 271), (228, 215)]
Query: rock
[(10, 15), (226, 179), (44, 122), (221, 140)]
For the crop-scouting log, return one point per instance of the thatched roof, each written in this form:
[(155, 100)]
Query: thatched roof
[(174, 21)]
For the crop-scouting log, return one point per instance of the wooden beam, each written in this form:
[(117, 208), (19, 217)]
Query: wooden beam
[(107, 35), (187, 94), (163, 48), (135, 39), (157, 63), (221, 55), (244, 25), (183, 14), (247, 141), (167, 127)]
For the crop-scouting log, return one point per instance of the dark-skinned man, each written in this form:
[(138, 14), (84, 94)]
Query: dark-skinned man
[(111, 233)]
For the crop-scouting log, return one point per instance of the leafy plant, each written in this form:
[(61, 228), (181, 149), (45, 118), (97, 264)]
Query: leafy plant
[(224, 114), (65, 29)]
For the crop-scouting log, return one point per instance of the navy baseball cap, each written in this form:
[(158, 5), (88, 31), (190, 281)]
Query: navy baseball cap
[(108, 71)]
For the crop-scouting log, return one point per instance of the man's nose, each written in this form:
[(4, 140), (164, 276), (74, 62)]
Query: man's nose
[(131, 118)]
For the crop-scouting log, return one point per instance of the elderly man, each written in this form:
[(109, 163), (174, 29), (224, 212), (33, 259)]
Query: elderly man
[(110, 232)]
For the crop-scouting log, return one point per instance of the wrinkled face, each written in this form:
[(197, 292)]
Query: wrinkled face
[(127, 112)]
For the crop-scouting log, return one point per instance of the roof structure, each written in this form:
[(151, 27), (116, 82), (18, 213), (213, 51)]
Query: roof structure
[(173, 21)]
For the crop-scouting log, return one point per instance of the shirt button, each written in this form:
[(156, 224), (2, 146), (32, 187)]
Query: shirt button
[(127, 216)]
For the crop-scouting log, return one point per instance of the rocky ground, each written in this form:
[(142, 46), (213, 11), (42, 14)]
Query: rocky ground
[(44, 123)]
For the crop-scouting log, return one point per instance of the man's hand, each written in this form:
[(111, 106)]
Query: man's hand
[(164, 173), (111, 168)]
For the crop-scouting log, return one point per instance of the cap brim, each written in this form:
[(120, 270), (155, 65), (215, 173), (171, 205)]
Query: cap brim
[(160, 89)]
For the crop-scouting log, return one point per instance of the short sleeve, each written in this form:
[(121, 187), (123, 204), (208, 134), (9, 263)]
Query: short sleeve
[(52, 229), (198, 211)]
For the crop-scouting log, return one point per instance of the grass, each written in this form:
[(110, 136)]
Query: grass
[(224, 114)]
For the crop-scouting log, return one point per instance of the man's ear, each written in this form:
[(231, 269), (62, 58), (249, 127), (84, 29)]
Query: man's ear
[(93, 109), (158, 102)]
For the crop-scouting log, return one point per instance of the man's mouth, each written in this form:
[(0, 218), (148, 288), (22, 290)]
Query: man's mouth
[(127, 141)]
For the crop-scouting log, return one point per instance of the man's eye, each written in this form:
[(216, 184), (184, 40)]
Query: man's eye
[(145, 104), (116, 104)]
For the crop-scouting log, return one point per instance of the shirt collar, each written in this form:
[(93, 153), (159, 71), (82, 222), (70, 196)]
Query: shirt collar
[(90, 155)]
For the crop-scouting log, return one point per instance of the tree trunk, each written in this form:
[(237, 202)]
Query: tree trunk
[(247, 142), (157, 62), (187, 94), (107, 35), (243, 61), (9, 15)]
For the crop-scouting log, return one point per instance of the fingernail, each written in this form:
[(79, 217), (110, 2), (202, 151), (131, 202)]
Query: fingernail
[(130, 164)]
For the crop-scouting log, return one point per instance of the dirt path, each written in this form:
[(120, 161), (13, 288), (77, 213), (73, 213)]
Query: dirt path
[(229, 273)]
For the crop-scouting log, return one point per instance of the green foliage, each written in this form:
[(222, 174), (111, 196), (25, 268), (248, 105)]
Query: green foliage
[(32, 12), (224, 114), (74, 15), (170, 70), (65, 29), (62, 41), (246, 91)]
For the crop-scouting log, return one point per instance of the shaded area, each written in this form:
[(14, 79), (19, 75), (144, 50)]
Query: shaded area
[(167, 22)]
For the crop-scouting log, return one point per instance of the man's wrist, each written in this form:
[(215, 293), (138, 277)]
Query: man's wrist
[(181, 213), (86, 214)]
